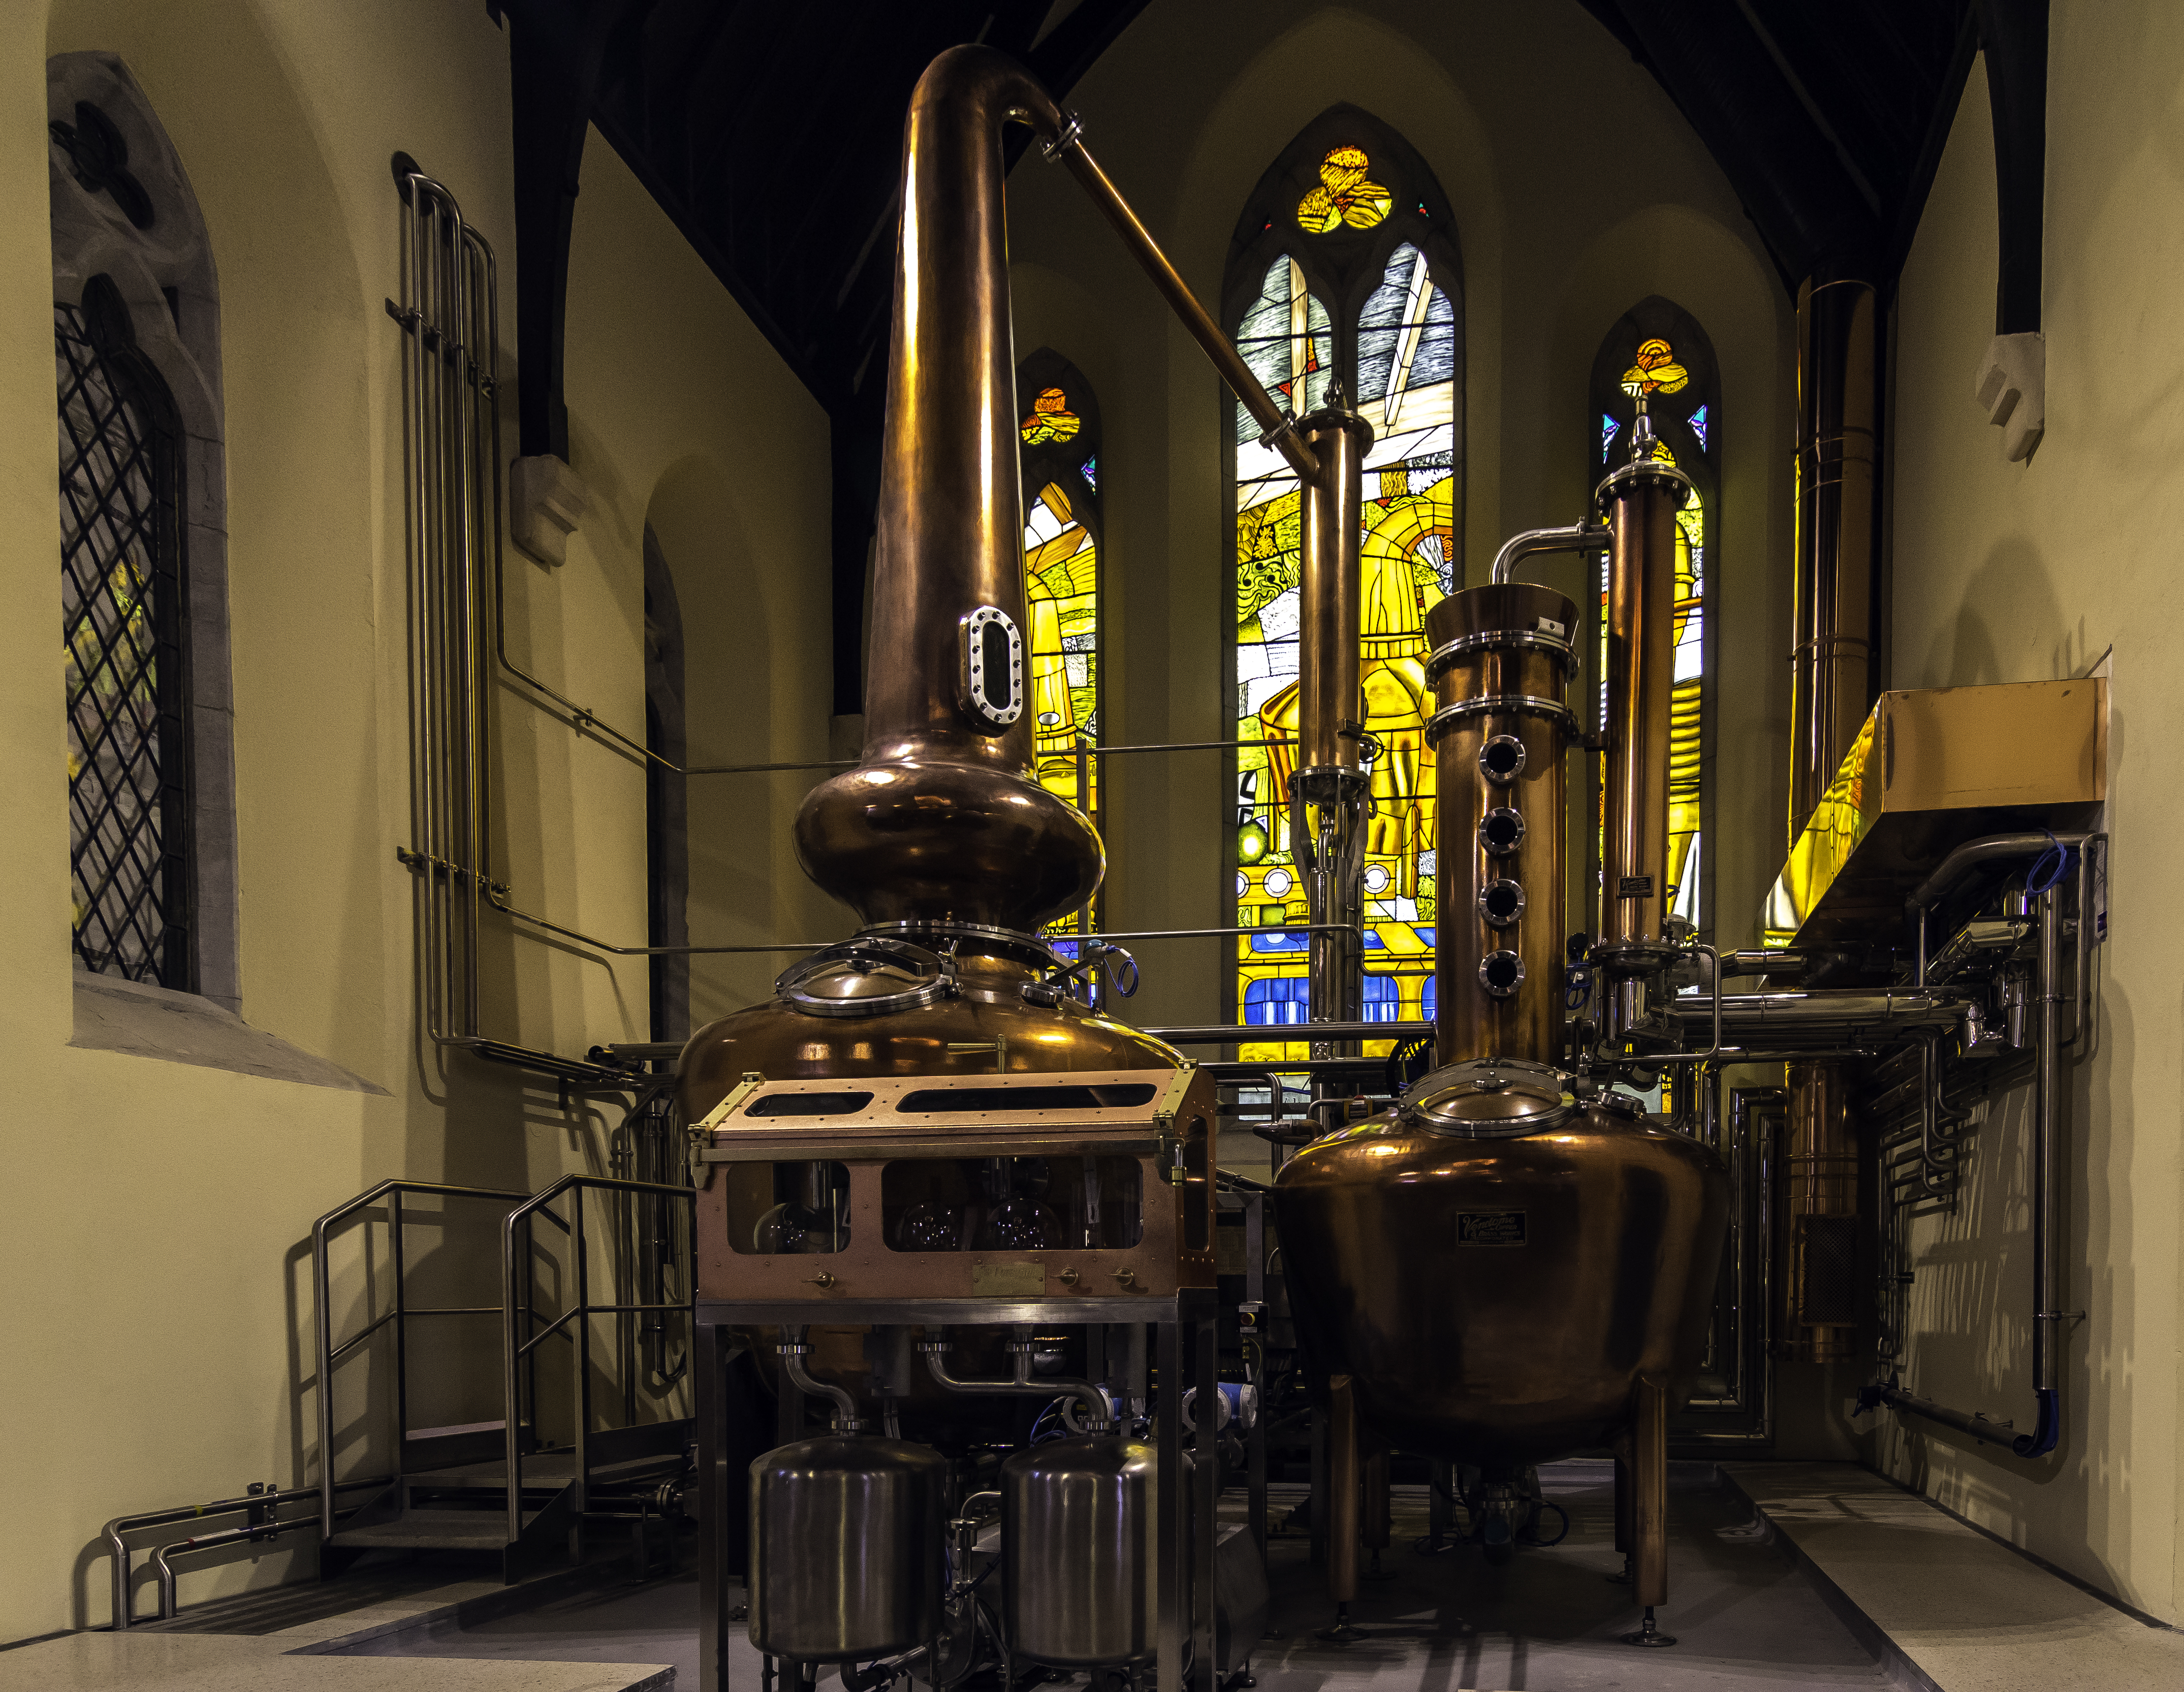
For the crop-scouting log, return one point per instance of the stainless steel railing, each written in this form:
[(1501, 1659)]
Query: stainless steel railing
[(523, 1336), (397, 1315)]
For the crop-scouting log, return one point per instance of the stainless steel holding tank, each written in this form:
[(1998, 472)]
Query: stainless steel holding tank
[(1080, 1552), (845, 1548)]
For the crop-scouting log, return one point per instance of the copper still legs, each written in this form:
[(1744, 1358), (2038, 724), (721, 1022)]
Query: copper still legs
[(1341, 1499), (1641, 1505)]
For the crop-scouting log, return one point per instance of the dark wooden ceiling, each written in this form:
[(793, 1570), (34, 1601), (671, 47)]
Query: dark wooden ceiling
[(770, 132)]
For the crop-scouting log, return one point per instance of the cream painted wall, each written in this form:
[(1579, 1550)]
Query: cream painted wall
[(158, 1314), (2022, 572), (1534, 121)]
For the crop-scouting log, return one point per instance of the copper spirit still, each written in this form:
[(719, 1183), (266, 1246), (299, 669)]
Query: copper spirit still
[(1513, 1265), (934, 1108), (940, 840)]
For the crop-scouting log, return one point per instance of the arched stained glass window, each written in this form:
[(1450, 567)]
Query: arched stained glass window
[(1659, 351), (1058, 432), (1345, 264)]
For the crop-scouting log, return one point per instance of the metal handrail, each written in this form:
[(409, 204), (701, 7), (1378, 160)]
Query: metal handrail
[(117, 1552), (517, 1345), (322, 1314)]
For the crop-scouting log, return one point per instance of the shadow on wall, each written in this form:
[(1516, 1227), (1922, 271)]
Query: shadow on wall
[(743, 883), (2011, 589)]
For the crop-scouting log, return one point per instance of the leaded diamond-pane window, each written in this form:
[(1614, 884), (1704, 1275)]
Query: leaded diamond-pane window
[(121, 627)]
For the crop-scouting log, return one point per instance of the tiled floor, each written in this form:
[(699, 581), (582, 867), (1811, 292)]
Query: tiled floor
[(1806, 1576), (271, 1651), (1953, 1607), (1745, 1617)]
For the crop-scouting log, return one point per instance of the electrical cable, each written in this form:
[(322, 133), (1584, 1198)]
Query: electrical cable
[(1549, 1503)]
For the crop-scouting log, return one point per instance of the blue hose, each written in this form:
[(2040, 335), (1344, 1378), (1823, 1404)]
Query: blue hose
[(2048, 868)]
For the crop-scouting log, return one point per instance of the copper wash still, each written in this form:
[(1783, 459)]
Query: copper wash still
[(1512, 1264)]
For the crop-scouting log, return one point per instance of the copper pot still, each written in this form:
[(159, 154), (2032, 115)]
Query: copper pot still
[(1509, 1262)]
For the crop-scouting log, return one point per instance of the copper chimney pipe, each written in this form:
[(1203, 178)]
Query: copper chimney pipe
[(942, 821), (1830, 663), (1831, 682)]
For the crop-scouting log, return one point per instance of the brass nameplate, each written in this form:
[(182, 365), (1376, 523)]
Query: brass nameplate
[(1490, 1227), (1007, 1280)]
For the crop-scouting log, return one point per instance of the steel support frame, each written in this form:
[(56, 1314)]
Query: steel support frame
[(1186, 1350)]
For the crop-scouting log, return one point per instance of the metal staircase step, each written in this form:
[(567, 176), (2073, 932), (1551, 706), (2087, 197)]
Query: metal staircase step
[(421, 1530)]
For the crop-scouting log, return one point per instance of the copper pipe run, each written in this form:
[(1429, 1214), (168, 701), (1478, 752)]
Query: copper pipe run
[(1277, 428)]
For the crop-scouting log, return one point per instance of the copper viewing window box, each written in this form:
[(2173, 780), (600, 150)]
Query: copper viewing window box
[(1037, 1185)]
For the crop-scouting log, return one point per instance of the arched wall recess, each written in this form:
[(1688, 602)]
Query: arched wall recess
[(122, 210)]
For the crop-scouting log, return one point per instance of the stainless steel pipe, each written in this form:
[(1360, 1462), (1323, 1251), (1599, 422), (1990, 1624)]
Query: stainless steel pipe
[(1579, 536), (1832, 1017), (1099, 1412)]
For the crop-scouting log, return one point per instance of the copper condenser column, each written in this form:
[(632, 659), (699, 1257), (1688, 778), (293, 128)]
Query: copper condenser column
[(1639, 501), (1327, 793), (1831, 692), (1501, 663)]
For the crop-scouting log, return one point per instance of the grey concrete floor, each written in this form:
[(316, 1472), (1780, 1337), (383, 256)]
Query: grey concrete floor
[(1743, 1615)]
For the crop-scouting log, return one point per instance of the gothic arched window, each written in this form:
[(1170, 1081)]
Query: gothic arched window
[(1657, 350), (1058, 432), (1345, 265)]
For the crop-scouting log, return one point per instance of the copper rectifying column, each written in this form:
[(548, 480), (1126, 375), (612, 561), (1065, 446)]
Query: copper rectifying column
[(1639, 501), (1327, 793), (1499, 669)]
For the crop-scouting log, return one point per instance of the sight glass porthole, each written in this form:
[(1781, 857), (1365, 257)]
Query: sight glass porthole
[(1501, 902), (1500, 830), (1502, 759), (1500, 973)]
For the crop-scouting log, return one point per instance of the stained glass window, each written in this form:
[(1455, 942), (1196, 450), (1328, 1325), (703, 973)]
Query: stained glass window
[(1659, 352), (1058, 430), (122, 648), (1399, 351)]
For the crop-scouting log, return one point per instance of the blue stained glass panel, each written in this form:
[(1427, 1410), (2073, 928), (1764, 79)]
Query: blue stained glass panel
[(1278, 999)]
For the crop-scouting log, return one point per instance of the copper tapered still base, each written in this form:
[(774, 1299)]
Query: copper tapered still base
[(1497, 1301)]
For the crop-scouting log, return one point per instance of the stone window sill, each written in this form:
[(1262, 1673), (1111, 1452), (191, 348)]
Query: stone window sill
[(115, 1015)]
